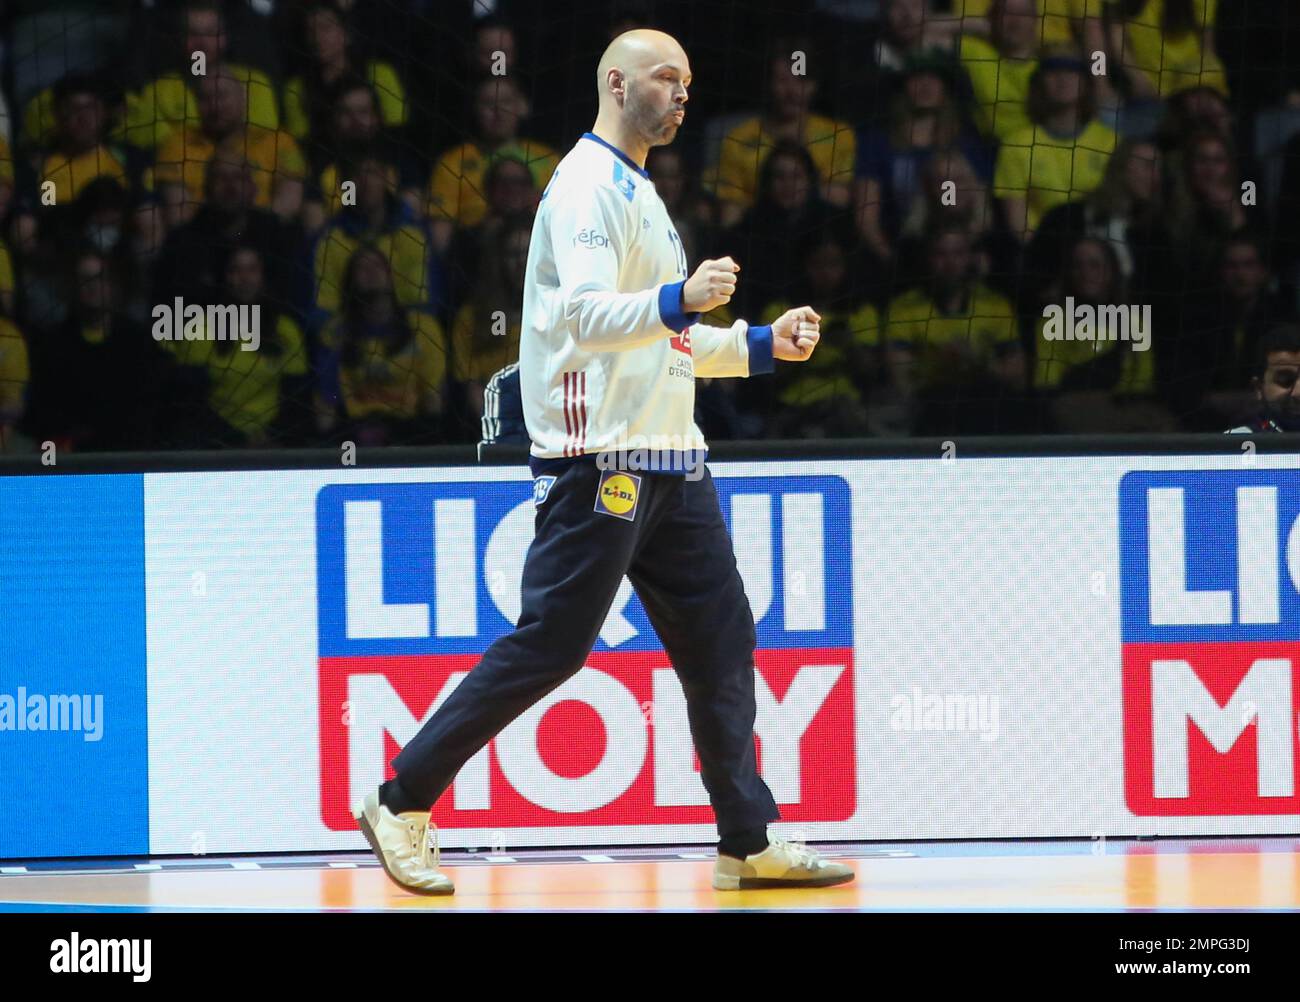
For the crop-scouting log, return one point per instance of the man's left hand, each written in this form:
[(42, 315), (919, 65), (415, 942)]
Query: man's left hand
[(795, 334)]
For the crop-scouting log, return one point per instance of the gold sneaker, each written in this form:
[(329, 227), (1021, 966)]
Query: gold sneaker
[(781, 864), (401, 841)]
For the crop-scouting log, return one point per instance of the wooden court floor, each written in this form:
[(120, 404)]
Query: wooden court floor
[(1177, 875)]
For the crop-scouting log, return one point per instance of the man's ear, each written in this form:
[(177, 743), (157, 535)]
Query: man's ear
[(617, 83), (1258, 387)]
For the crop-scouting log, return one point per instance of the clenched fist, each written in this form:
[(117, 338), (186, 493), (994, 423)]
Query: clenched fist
[(712, 285), (795, 334)]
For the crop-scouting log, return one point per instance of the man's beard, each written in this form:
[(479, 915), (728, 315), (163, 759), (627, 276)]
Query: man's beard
[(657, 129)]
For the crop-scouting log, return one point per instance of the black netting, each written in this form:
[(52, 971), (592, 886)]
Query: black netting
[(294, 223)]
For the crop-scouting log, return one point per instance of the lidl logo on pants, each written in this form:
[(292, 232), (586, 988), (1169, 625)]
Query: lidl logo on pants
[(617, 494), (1209, 572), (416, 580)]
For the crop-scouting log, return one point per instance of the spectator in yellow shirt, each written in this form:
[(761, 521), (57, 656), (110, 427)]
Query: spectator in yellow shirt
[(828, 397), (381, 219), (381, 368), (309, 98), (485, 333), (165, 106), (1056, 22), (356, 131), (224, 132), (1061, 156), (1102, 383), (509, 188), (788, 117), (456, 185), (953, 328), (1000, 67), (248, 389), (1165, 46), (80, 154)]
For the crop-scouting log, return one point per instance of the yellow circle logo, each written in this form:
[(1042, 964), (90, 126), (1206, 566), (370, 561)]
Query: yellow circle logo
[(618, 494)]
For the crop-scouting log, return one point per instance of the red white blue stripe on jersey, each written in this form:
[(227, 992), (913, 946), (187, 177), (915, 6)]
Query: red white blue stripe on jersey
[(575, 413)]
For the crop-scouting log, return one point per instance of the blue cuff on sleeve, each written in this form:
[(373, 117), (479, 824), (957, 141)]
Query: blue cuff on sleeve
[(670, 308), (761, 358)]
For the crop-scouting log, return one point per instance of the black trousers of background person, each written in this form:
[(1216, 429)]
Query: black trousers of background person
[(679, 558)]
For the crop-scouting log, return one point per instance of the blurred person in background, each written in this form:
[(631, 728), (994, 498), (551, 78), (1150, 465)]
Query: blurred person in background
[(224, 132), (356, 130), (192, 261), (170, 103), (787, 118), (382, 220), (827, 396), (7, 175), (332, 60), (1223, 326), (76, 154), (787, 210), (79, 151), (1104, 383), (1001, 66), (381, 368), (1196, 109), (257, 394), (1205, 208), (103, 218), (1127, 209), (951, 192), (510, 192), (495, 47), (910, 29), (8, 280), (1062, 155), (1160, 46), (485, 334), (953, 332), (1056, 22), (98, 378), (924, 121), (1285, 228), (456, 185)]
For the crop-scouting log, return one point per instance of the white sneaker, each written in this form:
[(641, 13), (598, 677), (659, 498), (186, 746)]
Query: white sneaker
[(401, 841), (781, 864)]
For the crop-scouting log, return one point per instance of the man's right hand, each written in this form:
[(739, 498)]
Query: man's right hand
[(712, 285)]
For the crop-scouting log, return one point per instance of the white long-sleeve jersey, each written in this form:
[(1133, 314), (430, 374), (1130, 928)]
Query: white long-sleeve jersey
[(607, 358)]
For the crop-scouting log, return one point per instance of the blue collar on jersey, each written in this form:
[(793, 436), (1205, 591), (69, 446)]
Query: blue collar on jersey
[(618, 153)]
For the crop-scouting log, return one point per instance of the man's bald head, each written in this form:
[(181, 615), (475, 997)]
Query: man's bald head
[(638, 50), (641, 81)]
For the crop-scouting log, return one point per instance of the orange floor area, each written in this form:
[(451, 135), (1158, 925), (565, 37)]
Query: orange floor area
[(1261, 874)]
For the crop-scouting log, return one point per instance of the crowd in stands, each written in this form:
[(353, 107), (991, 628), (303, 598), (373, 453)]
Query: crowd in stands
[(938, 178)]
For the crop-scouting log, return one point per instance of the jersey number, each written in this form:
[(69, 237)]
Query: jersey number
[(679, 251)]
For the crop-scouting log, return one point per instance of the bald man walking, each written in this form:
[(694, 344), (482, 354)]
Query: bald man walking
[(610, 349)]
